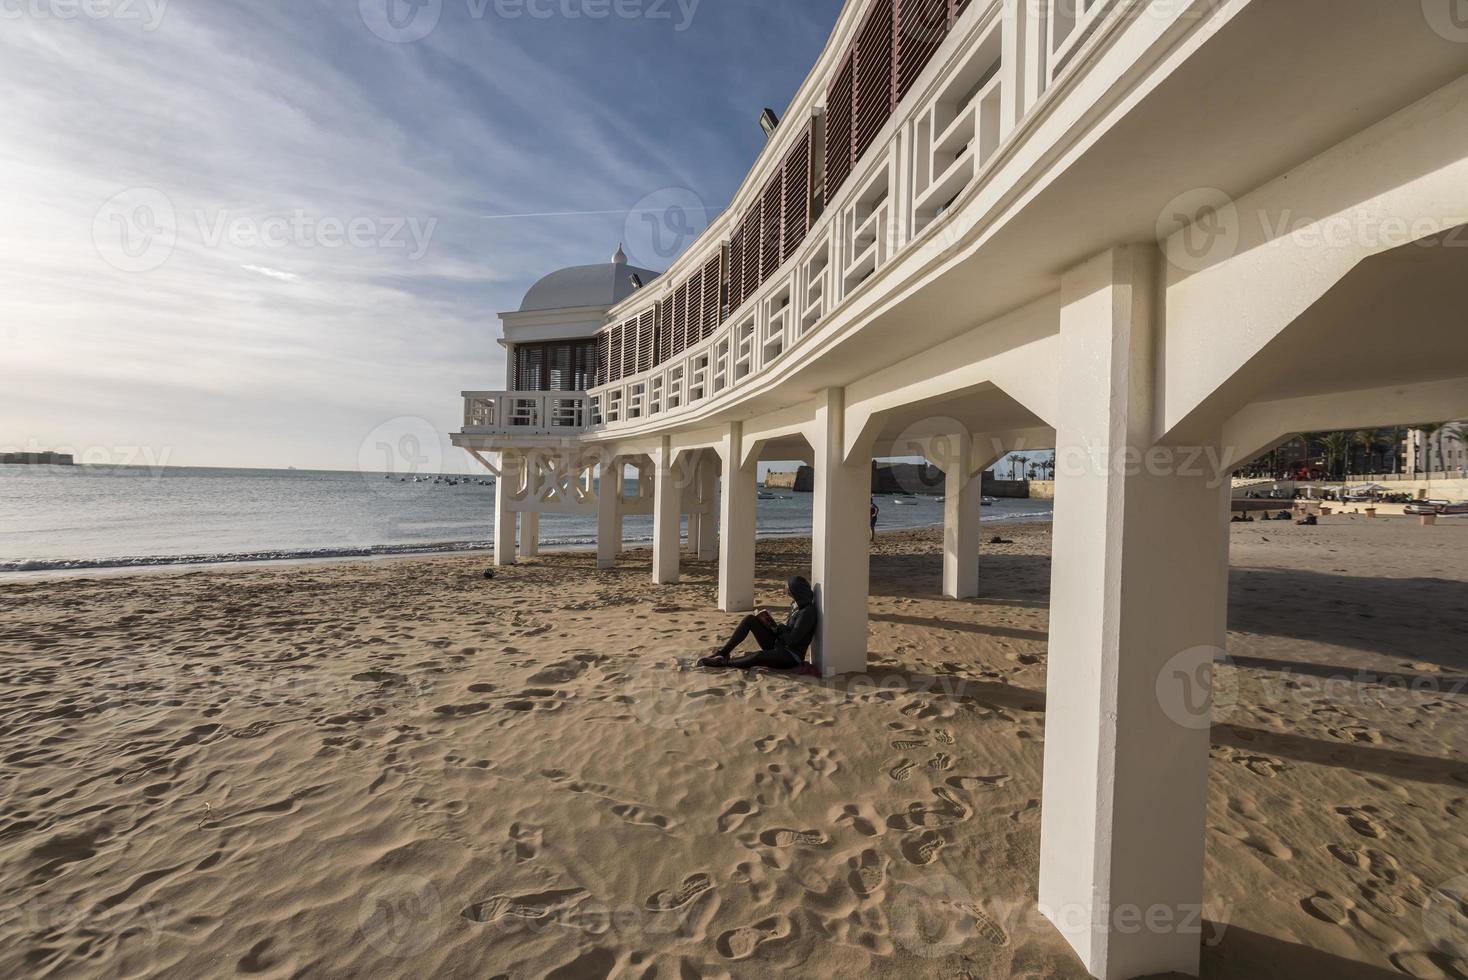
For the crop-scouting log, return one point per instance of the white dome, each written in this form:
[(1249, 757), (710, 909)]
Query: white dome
[(602, 286)]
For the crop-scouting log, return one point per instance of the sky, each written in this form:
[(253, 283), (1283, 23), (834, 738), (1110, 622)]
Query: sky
[(263, 232)]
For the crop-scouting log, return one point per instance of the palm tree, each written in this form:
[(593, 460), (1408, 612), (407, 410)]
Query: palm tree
[(1337, 448), (1370, 439), (1428, 430)]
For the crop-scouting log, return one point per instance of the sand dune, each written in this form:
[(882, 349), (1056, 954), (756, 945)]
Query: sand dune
[(398, 768)]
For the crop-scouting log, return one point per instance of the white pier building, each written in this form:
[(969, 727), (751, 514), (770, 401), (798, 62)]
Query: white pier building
[(1158, 235)]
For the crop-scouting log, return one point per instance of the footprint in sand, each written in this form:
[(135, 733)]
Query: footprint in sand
[(996, 781), (1360, 820), (942, 762), (735, 814), (987, 927), (905, 744), (673, 899), (868, 872), (1327, 908), (530, 907), (902, 771), (943, 735), (640, 817), (790, 838), (923, 849), (741, 944), (771, 743)]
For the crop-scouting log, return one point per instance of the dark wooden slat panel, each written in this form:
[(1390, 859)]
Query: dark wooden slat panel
[(614, 355), (840, 103), (773, 206), (713, 283), (603, 350), (752, 239), (874, 76), (922, 25), (796, 174), (665, 331), (646, 329)]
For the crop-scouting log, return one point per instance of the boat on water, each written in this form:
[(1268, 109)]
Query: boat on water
[(988, 501)]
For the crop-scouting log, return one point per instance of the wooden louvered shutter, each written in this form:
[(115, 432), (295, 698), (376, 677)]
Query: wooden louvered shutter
[(603, 346), (875, 88), (665, 331), (773, 206), (614, 354), (839, 104), (797, 178), (713, 281), (680, 319), (695, 309), (629, 348), (752, 250), (646, 328), (735, 281), (922, 26)]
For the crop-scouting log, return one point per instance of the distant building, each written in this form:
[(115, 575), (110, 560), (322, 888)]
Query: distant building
[(37, 459)]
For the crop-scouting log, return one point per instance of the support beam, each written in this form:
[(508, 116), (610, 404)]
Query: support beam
[(1138, 611), (504, 518), (529, 534), (737, 523), (962, 503), (840, 554), (666, 517), (609, 513), (708, 493)]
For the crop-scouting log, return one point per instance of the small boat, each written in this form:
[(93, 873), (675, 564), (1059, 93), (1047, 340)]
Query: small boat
[(988, 501)]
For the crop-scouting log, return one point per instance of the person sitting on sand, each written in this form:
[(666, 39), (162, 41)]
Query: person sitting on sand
[(782, 645)]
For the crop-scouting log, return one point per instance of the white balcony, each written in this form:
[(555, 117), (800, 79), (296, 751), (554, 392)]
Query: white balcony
[(526, 413)]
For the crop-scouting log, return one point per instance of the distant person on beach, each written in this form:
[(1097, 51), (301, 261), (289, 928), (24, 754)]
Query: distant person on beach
[(875, 511), (782, 646)]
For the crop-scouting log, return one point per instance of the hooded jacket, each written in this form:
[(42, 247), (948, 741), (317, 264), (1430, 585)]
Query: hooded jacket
[(799, 629)]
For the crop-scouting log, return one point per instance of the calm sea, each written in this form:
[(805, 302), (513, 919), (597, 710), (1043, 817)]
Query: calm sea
[(56, 518)]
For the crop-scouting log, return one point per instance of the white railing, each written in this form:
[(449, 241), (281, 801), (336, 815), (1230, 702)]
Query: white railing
[(529, 413), (940, 145)]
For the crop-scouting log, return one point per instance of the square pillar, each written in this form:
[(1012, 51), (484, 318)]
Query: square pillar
[(708, 493), (840, 547), (667, 517), (1138, 613), (962, 503), (505, 486), (609, 514), (529, 534), (736, 524)]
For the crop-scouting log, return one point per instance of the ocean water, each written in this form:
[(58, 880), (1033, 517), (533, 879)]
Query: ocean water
[(55, 518)]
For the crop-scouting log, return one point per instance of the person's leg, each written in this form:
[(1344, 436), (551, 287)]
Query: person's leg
[(750, 625), (776, 659)]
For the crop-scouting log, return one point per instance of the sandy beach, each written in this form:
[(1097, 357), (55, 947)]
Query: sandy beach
[(398, 768)]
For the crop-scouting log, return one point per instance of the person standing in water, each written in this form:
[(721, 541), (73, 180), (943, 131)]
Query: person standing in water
[(875, 511)]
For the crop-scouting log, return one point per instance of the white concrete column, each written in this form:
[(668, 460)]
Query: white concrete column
[(529, 534), (737, 524), (840, 550), (667, 517), (962, 503), (609, 514), (1138, 610), (708, 492), (505, 486)]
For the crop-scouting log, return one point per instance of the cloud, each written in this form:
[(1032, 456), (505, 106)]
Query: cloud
[(272, 273), (284, 139)]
